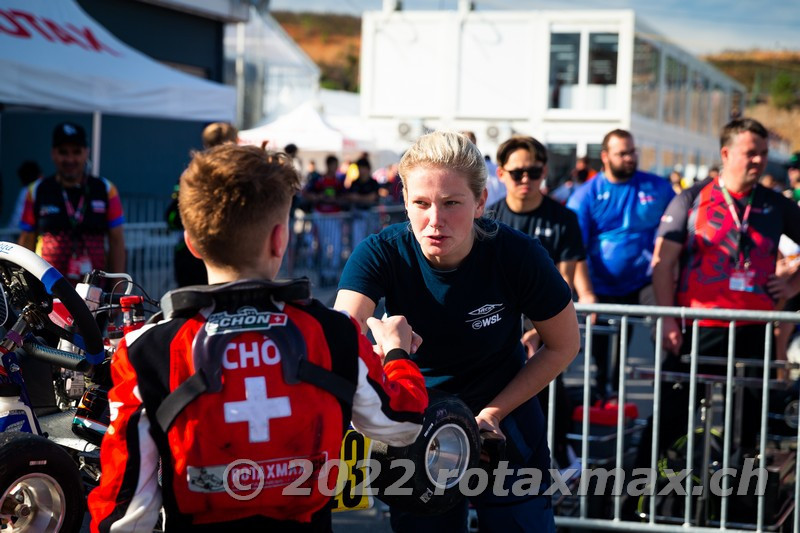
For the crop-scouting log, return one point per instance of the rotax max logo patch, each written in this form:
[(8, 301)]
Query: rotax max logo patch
[(245, 319)]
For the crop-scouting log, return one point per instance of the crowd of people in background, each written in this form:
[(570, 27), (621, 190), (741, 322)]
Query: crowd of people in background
[(615, 234), (77, 237), (348, 186)]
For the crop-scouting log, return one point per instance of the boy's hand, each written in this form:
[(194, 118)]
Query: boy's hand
[(394, 332)]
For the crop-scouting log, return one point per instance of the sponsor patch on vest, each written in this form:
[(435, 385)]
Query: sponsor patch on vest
[(245, 319), (247, 474), (45, 210)]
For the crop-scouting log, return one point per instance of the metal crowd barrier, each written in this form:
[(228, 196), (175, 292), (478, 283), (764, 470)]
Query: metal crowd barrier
[(776, 453), (320, 243), (150, 249), (318, 248)]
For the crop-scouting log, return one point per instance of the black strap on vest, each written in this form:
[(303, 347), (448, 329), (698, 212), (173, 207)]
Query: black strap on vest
[(189, 300), (209, 344)]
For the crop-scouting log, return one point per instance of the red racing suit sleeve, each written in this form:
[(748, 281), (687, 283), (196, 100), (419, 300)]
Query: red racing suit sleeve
[(128, 497), (390, 400)]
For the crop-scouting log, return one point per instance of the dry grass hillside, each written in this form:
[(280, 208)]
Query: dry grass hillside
[(761, 72), (785, 123), (334, 43)]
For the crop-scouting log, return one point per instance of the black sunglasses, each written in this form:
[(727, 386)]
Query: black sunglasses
[(534, 173)]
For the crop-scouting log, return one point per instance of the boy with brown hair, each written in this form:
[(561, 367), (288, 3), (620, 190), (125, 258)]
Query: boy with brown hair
[(260, 378)]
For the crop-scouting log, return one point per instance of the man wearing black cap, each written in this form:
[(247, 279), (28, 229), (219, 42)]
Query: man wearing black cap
[(67, 216)]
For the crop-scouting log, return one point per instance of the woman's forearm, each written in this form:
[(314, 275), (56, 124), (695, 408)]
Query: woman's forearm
[(537, 373)]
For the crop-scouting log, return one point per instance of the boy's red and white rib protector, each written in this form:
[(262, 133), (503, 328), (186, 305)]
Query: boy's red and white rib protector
[(256, 416)]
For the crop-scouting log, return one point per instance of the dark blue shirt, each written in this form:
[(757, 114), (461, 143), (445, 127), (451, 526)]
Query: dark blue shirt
[(469, 317)]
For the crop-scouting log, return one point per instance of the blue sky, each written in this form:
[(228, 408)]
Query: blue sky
[(699, 26)]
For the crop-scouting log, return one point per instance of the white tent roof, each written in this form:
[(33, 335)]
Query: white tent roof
[(53, 55), (342, 112), (303, 126)]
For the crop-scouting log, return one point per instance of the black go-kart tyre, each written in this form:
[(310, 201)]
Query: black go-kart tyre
[(409, 476), (40, 485)]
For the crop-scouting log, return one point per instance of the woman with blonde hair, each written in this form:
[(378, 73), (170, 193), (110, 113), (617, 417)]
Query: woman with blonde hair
[(463, 282)]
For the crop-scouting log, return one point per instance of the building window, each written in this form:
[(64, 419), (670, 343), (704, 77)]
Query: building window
[(669, 160), (560, 162), (698, 117), (675, 95), (564, 59), (647, 157), (737, 105), (719, 105), (602, 90), (593, 155), (594, 88), (646, 77)]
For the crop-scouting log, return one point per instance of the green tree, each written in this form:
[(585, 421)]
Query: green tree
[(783, 90)]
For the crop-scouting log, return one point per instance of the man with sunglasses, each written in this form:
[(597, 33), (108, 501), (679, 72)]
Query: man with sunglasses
[(619, 212), (522, 166)]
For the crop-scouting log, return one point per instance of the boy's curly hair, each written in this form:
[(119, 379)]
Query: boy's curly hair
[(230, 197)]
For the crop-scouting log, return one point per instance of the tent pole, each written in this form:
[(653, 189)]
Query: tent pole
[(97, 124), (241, 34)]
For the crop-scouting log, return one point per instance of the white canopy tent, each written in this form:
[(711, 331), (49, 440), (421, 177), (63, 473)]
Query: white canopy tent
[(306, 128), (53, 55)]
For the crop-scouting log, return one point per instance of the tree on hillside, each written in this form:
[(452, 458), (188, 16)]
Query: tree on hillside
[(783, 91)]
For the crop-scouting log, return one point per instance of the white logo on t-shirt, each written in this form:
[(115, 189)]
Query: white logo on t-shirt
[(486, 316)]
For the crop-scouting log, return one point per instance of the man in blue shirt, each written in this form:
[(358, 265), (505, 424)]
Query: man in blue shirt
[(619, 212)]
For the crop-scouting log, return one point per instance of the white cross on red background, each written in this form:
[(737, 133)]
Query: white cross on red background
[(257, 409)]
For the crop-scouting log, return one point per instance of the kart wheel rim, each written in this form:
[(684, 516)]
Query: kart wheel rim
[(45, 500), (448, 449), (790, 414)]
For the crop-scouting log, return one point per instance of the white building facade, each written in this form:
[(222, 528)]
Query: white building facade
[(565, 77)]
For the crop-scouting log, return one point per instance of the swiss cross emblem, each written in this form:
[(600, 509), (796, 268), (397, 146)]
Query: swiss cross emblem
[(258, 409)]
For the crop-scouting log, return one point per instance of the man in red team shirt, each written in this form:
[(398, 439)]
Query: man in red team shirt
[(67, 216), (721, 236)]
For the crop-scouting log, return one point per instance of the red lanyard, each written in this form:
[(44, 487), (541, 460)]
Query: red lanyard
[(744, 253), (75, 214)]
